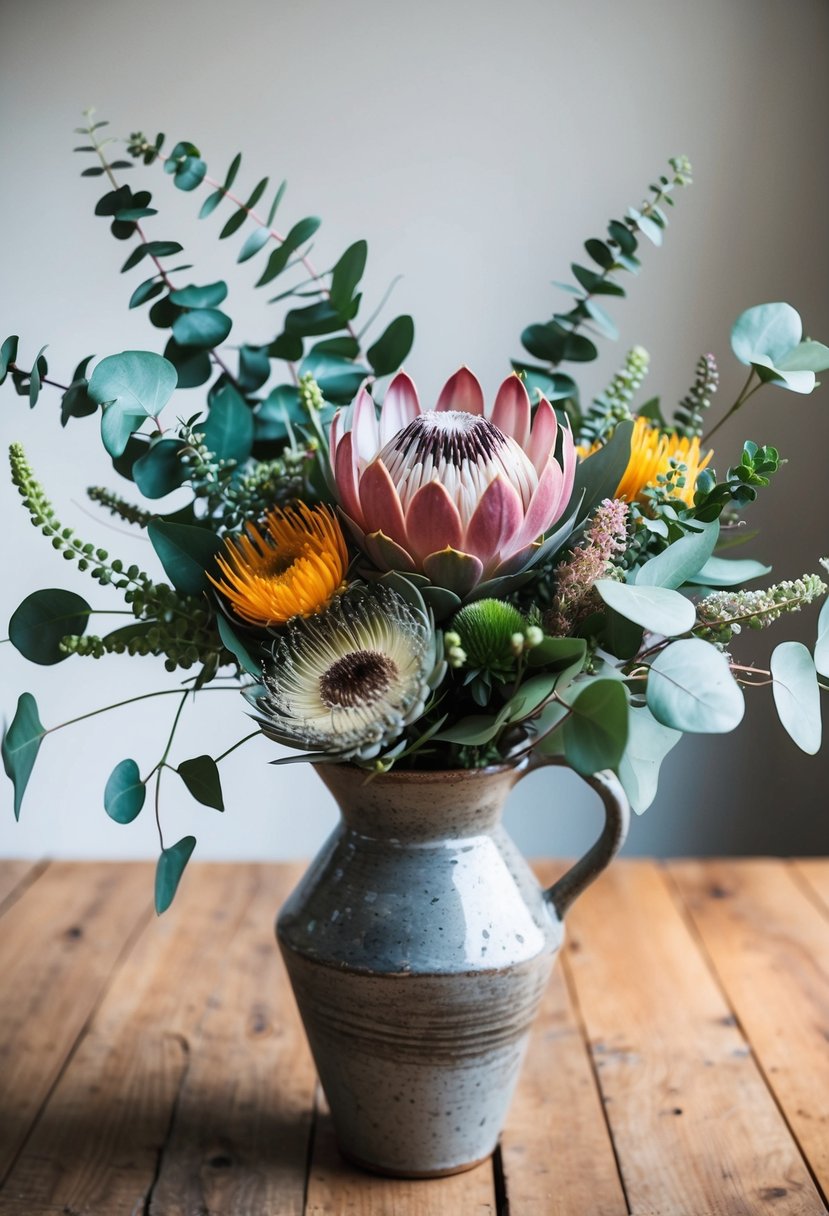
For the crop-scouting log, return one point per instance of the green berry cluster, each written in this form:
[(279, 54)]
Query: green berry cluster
[(722, 614), (689, 413), (613, 405)]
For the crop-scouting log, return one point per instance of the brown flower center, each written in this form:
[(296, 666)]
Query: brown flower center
[(358, 678)]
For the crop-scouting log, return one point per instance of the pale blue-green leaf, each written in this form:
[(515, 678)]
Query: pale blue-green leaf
[(691, 688), (797, 694), (648, 744), (729, 572), (822, 647), (766, 332), (657, 609), (137, 380), (680, 561), (807, 356)]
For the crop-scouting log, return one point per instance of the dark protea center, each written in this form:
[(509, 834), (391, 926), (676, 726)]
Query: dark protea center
[(358, 678), (448, 437)]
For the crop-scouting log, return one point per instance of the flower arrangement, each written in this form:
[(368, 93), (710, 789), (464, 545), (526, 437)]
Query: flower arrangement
[(392, 582)]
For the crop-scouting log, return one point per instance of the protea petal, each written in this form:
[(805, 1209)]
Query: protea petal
[(364, 430), (569, 463), (511, 412), (543, 435), (400, 406), (385, 554), (458, 572), (462, 392), (432, 521), (543, 507), (495, 521), (379, 503), (345, 475)]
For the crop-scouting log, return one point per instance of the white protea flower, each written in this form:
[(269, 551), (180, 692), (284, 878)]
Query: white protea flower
[(347, 682)]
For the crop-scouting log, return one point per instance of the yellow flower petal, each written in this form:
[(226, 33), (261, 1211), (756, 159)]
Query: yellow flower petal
[(651, 454)]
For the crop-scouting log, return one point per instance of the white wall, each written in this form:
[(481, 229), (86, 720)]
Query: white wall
[(475, 145)]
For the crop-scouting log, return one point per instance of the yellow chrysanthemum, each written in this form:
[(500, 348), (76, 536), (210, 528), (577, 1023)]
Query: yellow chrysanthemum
[(651, 454), (295, 569)]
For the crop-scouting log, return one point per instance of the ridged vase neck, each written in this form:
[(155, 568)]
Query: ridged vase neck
[(415, 807)]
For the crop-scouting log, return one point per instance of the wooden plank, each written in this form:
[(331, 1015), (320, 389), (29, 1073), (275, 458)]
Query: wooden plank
[(243, 1119), (14, 875), (336, 1188), (556, 1149), (60, 942), (694, 1126), (122, 1102), (770, 947), (814, 871)]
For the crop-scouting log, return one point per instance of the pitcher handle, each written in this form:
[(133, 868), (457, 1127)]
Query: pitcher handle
[(617, 821)]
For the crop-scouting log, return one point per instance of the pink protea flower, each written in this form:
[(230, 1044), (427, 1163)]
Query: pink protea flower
[(448, 492)]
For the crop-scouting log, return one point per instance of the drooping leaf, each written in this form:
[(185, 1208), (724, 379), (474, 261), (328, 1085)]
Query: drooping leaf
[(797, 694), (8, 354), (125, 792), (185, 552), (171, 865), (202, 327), (160, 471), (691, 688), (649, 742), (237, 647), (391, 348), (278, 260), (347, 274), (596, 731), (228, 430), (21, 743), (201, 776), (43, 619)]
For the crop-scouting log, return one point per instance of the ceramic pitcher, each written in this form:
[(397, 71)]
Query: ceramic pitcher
[(418, 945)]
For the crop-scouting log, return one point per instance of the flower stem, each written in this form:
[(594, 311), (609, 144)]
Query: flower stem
[(239, 743), (741, 400), (164, 692)]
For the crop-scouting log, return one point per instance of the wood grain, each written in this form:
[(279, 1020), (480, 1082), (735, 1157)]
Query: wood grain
[(102, 1138), (770, 947), (557, 1153), (696, 1130), (814, 871), (338, 1189), (240, 1138), (14, 875), (59, 945)]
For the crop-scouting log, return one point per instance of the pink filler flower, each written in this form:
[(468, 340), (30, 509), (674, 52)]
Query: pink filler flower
[(448, 492)]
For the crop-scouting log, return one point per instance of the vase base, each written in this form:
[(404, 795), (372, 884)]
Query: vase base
[(414, 1175)]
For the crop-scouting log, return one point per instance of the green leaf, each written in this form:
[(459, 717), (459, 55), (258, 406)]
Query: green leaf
[(797, 694), (132, 386), (822, 646), (76, 402), (257, 192), (209, 296), (228, 431), (45, 617), (211, 203), (691, 688), (392, 347), (125, 792), (473, 731), (338, 378), (598, 476), (38, 370), (347, 274), (201, 776), (21, 743), (299, 234), (237, 647), (253, 243), (649, 742), (233, 224), (193, 365), (8, 354), (169, 870), (600, 253), (232, 171), (190, 173), (160, 471), (277, 199), (147, 290), (557, 653), (319, 318), (807, 356), (682, 560), (657, 609), (728, 572), (202, 327), (596, 731), (766, 333), (254, 367), (185, 552)]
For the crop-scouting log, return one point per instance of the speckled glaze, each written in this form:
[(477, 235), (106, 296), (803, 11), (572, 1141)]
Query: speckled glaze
[(418, 944)]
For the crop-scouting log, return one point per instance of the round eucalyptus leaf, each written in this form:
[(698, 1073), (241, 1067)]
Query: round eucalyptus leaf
[(691, 688), (125, 792), (657, 609), (43, 620), (202, 327), (208, 296), (797, 694), (132, 386), (766, 333), (160, 470), (596, 731)]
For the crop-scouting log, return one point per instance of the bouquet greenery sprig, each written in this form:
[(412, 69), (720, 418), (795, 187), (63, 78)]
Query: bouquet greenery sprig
[(394, 583)]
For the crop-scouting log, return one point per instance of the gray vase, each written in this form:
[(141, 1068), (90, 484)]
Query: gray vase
[(418, 944)]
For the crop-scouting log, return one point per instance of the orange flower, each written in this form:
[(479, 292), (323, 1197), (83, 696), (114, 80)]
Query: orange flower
[(651, 454), (294, 569)]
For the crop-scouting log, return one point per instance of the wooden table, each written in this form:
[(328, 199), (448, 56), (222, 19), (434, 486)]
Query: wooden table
[(680, 1063)]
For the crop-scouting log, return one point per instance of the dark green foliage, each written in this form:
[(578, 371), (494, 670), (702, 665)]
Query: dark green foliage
[(201, 776), (171, 865), (21, 743), (44, 618), (124, 793)]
